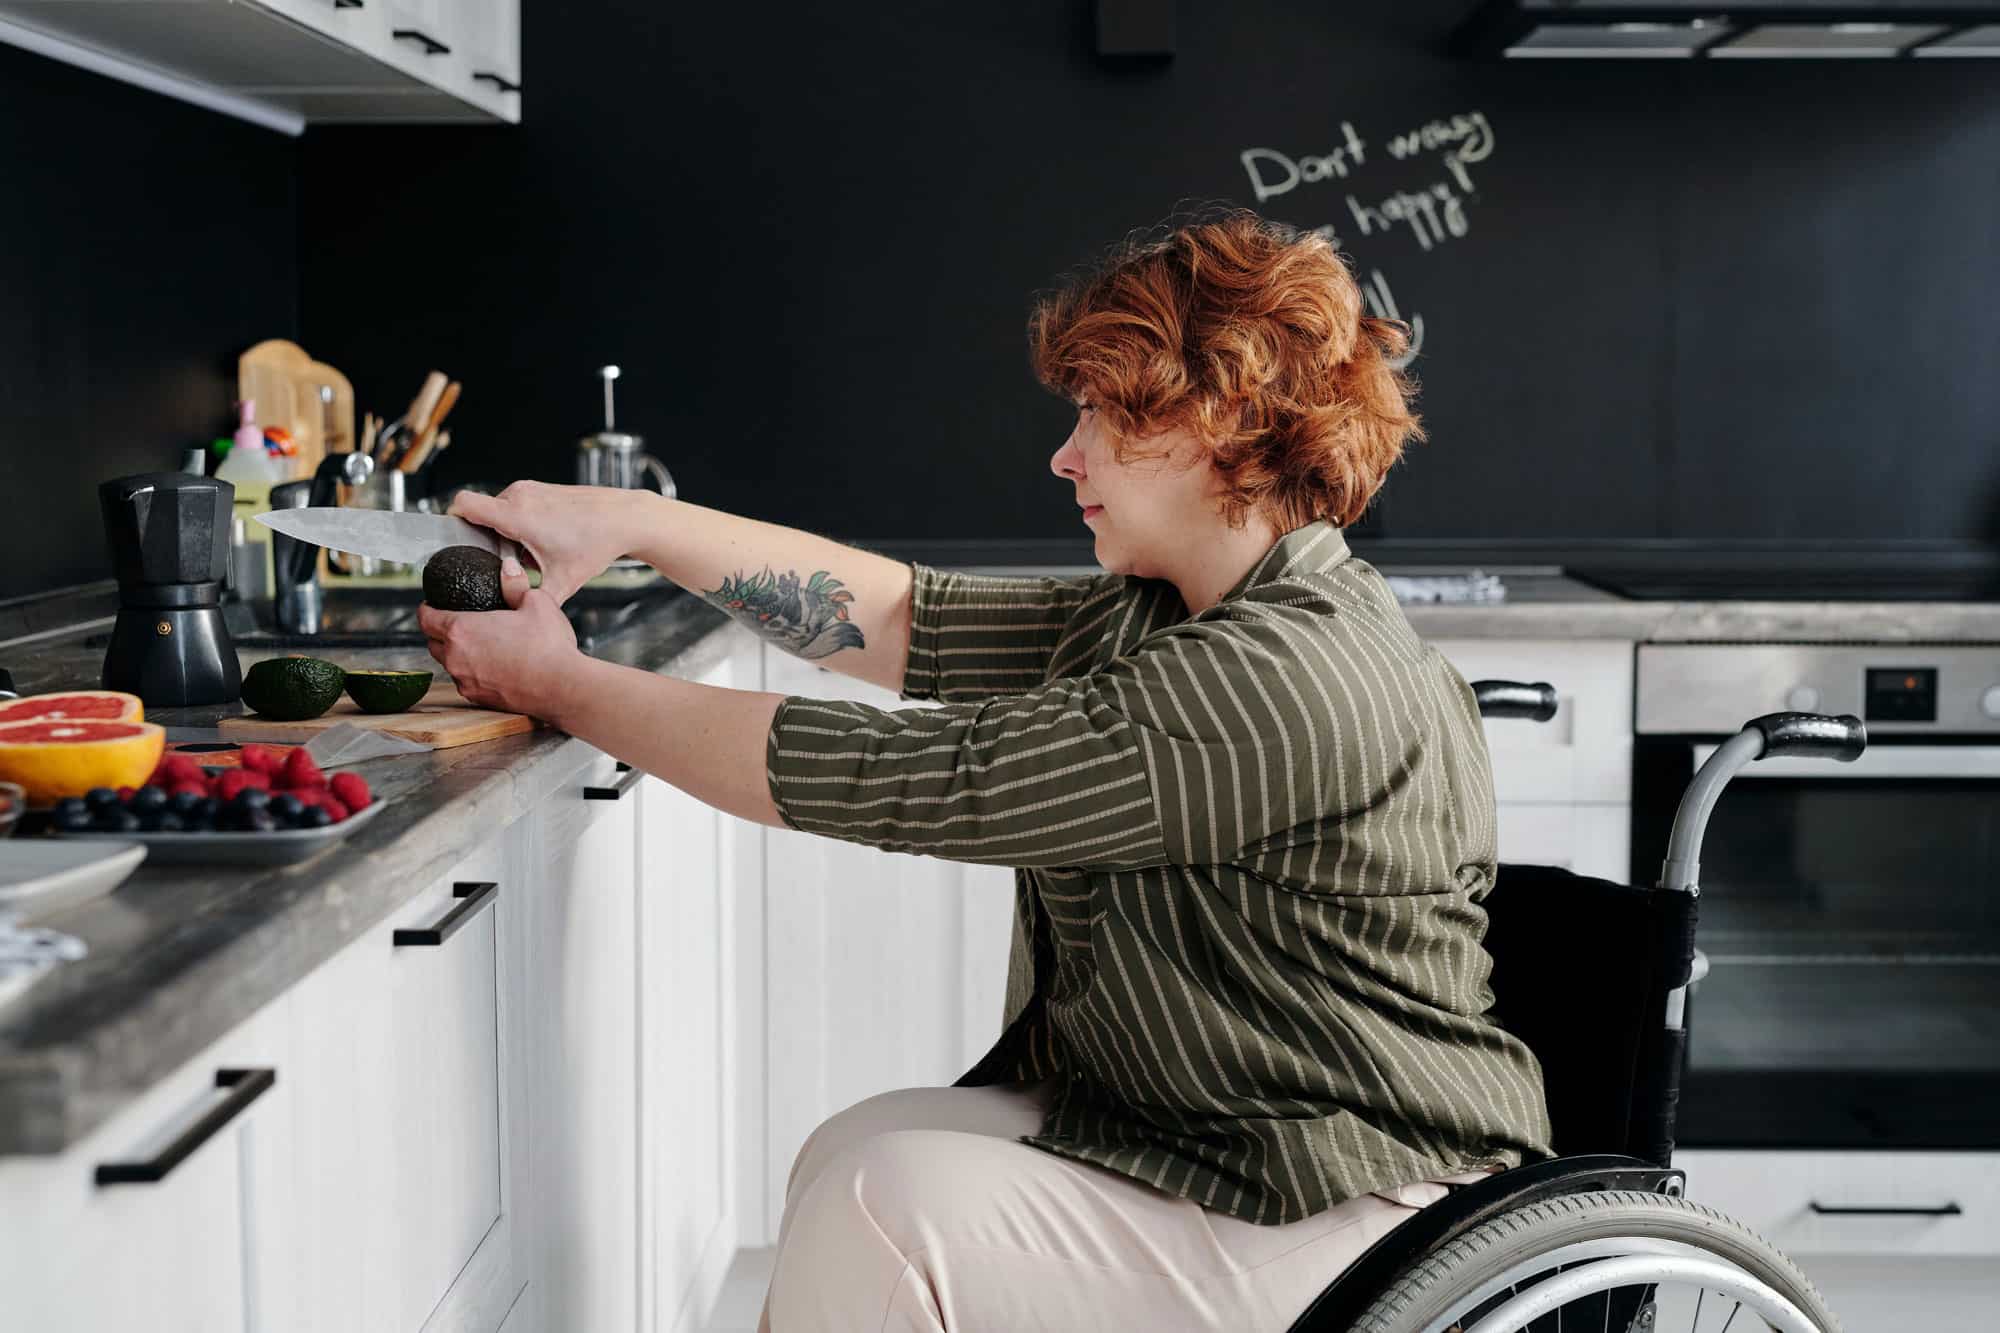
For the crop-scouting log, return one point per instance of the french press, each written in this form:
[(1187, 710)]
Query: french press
[(613, 458)]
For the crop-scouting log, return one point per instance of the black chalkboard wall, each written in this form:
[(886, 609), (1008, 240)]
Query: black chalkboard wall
[(143, 244), (1658, 300)]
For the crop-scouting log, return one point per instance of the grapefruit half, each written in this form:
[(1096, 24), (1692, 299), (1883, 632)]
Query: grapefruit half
[(74, 705), (54, 757)]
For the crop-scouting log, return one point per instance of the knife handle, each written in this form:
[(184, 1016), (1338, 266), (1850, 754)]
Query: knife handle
[(424, 403)]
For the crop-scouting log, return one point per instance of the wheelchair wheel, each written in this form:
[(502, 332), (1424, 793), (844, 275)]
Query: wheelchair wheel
[(1609, 1262)]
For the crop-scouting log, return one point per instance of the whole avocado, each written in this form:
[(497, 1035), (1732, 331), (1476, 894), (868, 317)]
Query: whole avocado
[(463, 578)]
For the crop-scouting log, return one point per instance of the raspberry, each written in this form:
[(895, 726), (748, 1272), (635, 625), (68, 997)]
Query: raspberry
[(351, 790), (301, 771), (236, 779), (266, 759), (177, 770), (334, 808)]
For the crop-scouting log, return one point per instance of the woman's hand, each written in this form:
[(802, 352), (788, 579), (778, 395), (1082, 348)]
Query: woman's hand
[(521, 660), (573, 532)]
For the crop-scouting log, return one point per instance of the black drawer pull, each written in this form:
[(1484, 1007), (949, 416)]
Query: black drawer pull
[(432, 46), (471, 898), (245, 1086), (347, 4), (628, 779), (499, 81), (1913, 1210)]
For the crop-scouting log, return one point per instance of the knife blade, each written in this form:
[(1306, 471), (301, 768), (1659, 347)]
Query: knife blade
[(385, 534)]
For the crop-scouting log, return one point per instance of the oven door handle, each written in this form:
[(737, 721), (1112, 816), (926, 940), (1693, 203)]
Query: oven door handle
[(1941, 762)]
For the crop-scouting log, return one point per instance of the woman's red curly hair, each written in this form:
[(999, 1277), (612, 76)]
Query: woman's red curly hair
[(1251, 336)]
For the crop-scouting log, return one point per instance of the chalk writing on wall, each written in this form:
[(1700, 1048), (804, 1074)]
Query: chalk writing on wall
[(1432, 211)]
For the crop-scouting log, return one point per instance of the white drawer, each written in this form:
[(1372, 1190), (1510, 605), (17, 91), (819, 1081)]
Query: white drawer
[(1589, 839), (1583, 753), (166, 1254), (1775, 1193), (398, 1117)]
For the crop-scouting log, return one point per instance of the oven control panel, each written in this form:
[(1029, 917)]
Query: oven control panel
[(1899, 694), (1713, 689)]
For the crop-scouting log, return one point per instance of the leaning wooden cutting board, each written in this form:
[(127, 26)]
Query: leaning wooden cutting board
[(441, 721)]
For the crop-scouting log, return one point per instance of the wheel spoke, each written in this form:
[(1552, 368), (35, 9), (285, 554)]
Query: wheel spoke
[(1732, 1317), (1698, 1297)]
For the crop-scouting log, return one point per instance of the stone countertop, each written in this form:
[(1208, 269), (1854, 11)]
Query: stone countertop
[(1550, 606), (179, 955), (1543, 603)]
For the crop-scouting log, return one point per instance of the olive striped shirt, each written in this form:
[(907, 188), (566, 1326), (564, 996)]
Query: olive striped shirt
[(1250, 848)]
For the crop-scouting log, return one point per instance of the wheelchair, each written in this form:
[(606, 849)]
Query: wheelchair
[(1594, 977)]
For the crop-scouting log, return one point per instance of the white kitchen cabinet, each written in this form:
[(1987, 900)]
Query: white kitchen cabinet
[(1875, 1269), (1582, 754), (689, 1041), (181, 1254), (1589, 839), (1563, 787), (580, 980), (490, 35), (399, 1206), (884, 970), (284, 63)]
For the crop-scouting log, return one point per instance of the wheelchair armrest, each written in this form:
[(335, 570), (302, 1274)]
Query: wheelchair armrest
[(1336, 1309)]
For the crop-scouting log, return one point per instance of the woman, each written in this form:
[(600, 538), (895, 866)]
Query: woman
[(1251, 814)]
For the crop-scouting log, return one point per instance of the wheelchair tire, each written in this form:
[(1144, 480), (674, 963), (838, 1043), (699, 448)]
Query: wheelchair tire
[(1428, 1289)]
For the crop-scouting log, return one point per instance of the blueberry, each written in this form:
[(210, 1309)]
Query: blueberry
[(209, 809), (314, 816), (185, 803), (79, 820), (259, 820), (287, 807), (70, 805), (168, 822), (147, 800), (252, 798), (112, 819), (100, 798)]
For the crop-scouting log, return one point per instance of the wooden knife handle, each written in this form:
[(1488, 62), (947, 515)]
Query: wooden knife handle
[(424, 403)]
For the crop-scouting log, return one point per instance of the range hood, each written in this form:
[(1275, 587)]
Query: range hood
[(1705, 29)]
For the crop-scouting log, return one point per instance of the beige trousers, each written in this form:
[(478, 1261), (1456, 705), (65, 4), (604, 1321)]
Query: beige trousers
[(918, 1210)]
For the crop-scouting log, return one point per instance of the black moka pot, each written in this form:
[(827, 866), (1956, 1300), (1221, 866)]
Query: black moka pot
[(169, 539)]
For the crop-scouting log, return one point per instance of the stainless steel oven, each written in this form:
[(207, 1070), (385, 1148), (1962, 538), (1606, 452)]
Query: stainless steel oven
[(1850, 913)]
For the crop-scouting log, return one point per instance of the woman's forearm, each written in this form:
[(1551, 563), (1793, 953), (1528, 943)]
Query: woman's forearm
[(846, 609), (704, 739)]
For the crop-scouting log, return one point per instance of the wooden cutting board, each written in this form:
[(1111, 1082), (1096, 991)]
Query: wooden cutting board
[(285, 383), (442, 720)]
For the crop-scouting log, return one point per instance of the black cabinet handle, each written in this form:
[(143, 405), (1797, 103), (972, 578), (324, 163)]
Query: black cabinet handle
[(628, 779), (245, 1086), (347, 4), (471, 898), (499, 81), (1914, 1210), (432, 46)]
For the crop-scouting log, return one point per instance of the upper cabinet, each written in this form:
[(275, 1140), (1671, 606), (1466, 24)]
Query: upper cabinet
[(287, 63)]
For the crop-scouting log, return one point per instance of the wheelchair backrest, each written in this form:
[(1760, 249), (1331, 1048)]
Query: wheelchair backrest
[(1577, 976)]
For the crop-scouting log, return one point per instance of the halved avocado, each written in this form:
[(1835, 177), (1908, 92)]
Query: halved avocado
[(387, 691), (292, 689), (463, 578)]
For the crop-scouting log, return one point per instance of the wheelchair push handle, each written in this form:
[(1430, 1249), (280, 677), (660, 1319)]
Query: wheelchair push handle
[(1513, 698), (1801, 735), (1812, 736)]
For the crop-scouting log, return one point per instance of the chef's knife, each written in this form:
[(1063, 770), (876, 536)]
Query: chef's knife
[(406, 538)]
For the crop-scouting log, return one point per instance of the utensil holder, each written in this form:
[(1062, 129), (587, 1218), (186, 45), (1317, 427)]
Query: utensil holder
[(387, 489)]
